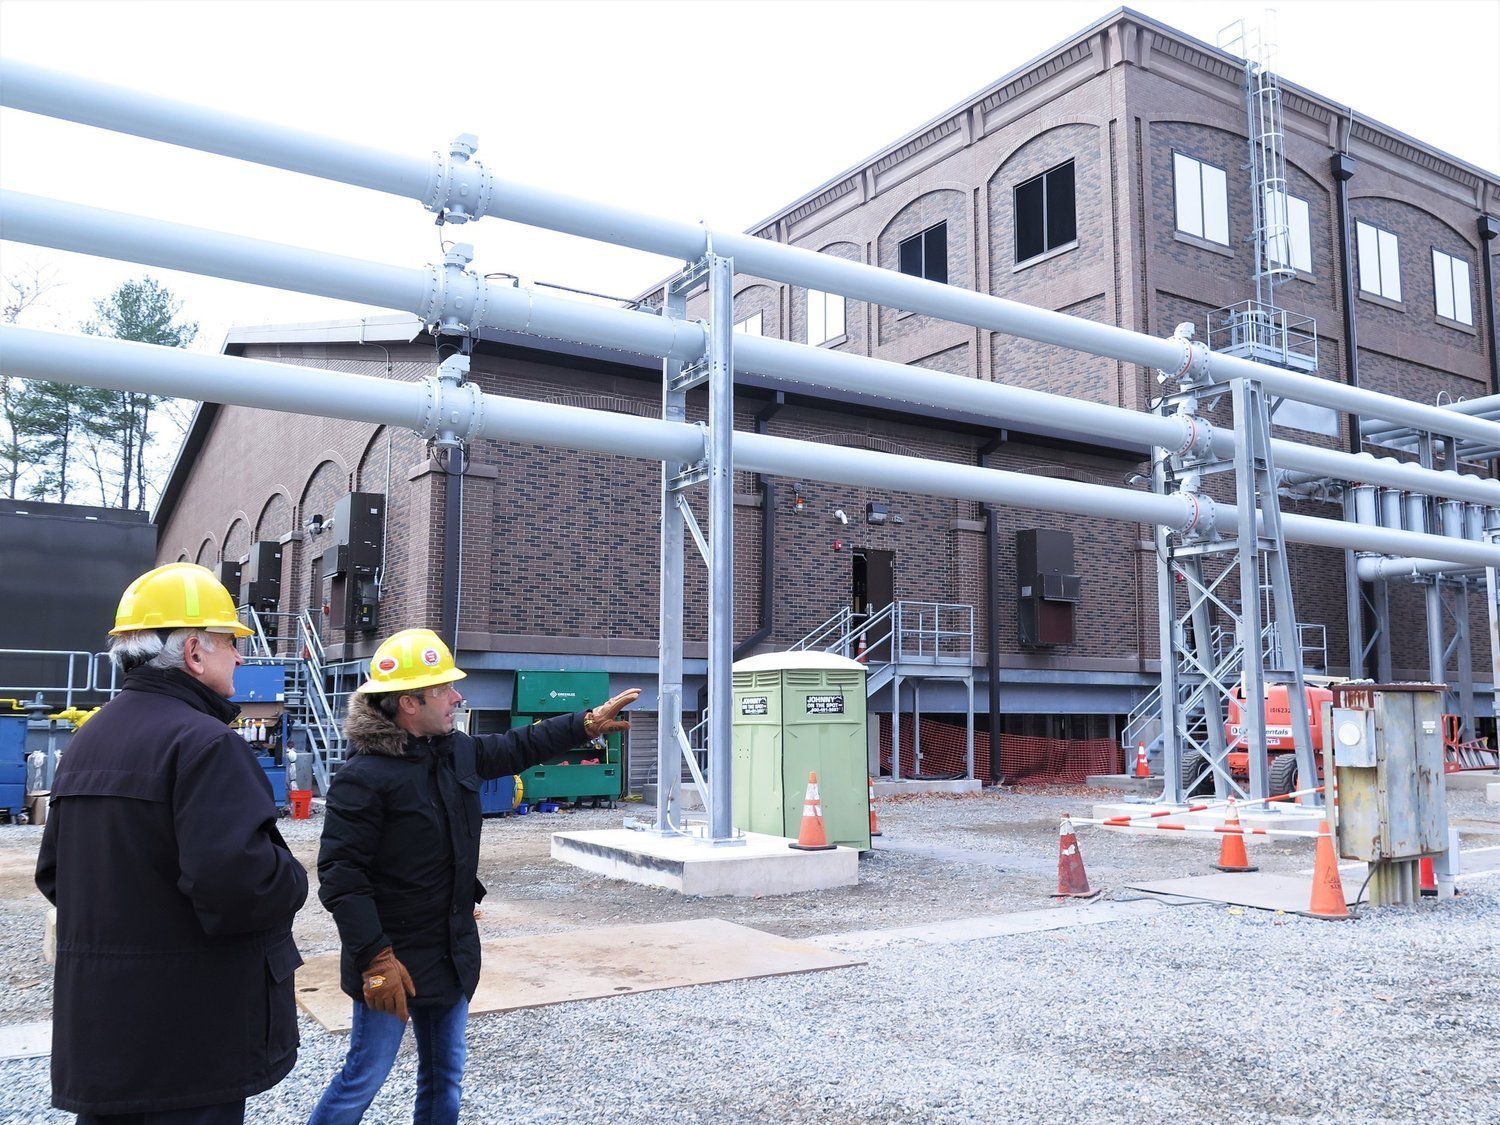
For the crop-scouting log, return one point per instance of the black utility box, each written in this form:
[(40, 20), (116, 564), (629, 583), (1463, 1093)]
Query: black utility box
[(1047, 586), (260, 578), (229, 575), (352, 566)]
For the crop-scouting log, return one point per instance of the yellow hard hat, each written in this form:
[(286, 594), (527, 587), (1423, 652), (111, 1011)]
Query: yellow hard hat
[(410, 659), (180, 595)]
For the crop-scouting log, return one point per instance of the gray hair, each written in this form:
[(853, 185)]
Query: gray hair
[(389, 702), (156, 648)]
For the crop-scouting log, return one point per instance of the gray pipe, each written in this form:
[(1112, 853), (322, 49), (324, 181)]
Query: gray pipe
[(432, 409), (464, 189), (450, 293)]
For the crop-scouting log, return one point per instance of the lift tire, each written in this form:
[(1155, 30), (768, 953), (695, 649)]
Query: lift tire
[(1197, 778), (1281, 777)]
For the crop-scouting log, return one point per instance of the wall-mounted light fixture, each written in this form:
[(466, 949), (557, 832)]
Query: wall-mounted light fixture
[(316, 525), (876, 512), (799, 502)]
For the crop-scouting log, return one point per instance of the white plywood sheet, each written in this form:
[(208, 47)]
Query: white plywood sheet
[(26, 1040), (557, 968), (1260, 890)]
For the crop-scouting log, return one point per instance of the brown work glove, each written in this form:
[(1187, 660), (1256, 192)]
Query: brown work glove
[(601, 720), (388, 984)]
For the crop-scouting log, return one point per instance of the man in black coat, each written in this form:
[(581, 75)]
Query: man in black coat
[(399, 861), (174, 891)]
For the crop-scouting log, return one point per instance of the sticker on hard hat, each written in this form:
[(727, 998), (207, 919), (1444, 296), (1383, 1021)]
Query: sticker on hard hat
[(387, 664), (431, 658)]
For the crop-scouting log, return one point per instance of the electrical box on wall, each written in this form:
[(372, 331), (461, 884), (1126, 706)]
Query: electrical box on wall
[(229, 575), (260, 578), (352, 567), (1047, 586)]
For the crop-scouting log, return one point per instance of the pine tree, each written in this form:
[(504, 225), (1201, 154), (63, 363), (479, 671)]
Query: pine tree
[(146, 312), (24, 428)]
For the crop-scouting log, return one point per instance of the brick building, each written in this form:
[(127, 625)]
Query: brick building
[(1105, 179)]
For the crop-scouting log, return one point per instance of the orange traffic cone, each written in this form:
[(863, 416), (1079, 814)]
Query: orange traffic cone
[(1327, 890), (1429, 877), (811, 837), (1232, 855), (1072, 880), (859, 650), (874, 823), (1142, 766)]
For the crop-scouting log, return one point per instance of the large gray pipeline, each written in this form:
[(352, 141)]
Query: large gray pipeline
[(451, 293), (462, 188), (436, 407)]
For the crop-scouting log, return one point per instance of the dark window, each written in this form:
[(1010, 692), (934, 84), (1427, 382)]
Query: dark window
[(926, 255), (1046, 217)]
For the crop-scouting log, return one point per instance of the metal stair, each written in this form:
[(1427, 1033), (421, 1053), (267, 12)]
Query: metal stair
[(293, 640)]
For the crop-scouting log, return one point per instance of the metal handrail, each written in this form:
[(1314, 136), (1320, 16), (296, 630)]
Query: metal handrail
[(904, 623), (68, 690), (837, 625)]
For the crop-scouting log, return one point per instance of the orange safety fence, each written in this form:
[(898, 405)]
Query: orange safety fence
[(1025, 760)]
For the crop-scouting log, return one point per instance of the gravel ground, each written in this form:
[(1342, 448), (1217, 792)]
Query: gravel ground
[(1192, 1013)]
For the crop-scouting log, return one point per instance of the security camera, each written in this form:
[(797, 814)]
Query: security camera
[(838, 514)]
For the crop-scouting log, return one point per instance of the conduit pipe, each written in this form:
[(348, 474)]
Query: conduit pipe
[(434, 408), (1469, 407), (451, 293), (463, 188)]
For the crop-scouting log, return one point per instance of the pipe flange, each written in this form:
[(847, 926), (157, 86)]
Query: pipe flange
[(1193, 366), (432, 301), (453, 410), (459, 296), (1202, 517), (1197, 438), (427, 421)]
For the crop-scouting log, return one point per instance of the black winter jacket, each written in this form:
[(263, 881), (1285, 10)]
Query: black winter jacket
[(399, 859), (175, 895)]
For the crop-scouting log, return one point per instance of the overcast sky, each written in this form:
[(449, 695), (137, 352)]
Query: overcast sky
[(722, 111)]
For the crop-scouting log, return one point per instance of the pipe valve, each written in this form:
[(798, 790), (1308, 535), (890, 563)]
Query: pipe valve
[(460, 187)]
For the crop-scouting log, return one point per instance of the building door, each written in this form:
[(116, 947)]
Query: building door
[(873, 588)]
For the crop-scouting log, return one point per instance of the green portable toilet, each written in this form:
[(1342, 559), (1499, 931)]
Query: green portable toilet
[(797, 713)]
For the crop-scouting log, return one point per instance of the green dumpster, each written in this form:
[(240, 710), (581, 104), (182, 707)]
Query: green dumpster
[(540, 695), (797, 713)]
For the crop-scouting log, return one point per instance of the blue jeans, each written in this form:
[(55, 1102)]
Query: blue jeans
[(372, 1049)]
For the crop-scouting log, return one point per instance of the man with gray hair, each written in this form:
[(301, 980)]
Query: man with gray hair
[(174, 890)]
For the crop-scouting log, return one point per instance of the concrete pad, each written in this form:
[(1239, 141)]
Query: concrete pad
[(557, 968), (1476, 780), (1492, 792), (691, 798), (763, 865), (958, 930), (887, 788), (26, 1040), (1259, 890), (1293, 818), (1125, 783)]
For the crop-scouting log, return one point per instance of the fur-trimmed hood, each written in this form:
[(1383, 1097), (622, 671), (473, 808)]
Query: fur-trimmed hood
[(370, 732)]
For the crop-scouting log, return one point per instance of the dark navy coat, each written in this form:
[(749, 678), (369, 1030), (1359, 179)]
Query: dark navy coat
[(175, 895), (399, 859)]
